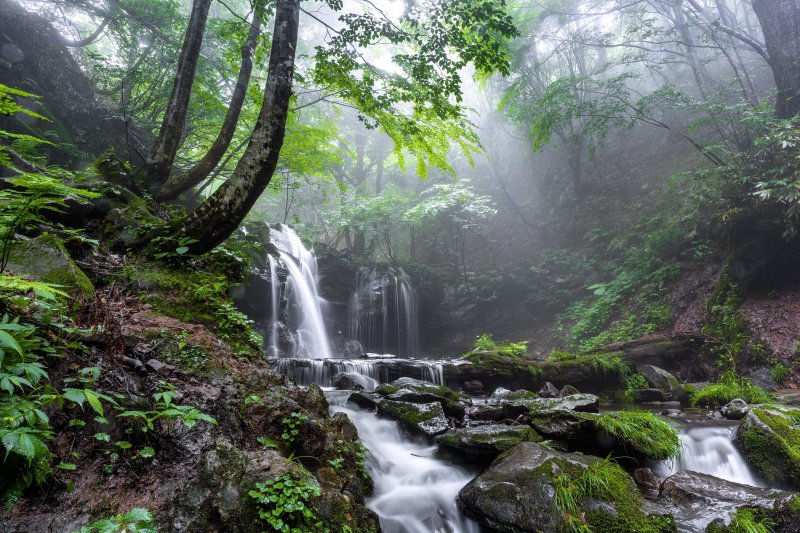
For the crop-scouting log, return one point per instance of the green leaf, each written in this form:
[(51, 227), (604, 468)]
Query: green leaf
[(147, 452), (102, 437), (7, 340), (94, 401), (69, 467)]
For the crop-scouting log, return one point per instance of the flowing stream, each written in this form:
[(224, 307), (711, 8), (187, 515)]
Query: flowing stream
[(708, 448), (414, 492)]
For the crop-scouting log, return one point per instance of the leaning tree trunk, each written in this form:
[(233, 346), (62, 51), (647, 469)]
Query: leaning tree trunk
[(780, 22), (200, 171), (219, 216), (162, 154)]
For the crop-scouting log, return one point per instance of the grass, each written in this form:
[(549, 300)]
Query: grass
[(746, 520), (729, 388), (643, 432), (485, 343)]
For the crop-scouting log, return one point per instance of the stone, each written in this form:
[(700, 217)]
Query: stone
[(353, 350), (365, 400), (517, 494), (549, 390), (696, 500), (427, 419), (473, 386), (352, 381), (412, 390), (160, 368), (482, 444), (763, 378), (735, 409), (650, 395), (568, 390), (769, 439), (649, 484), (659, 378), (584, 403), (46, 260)]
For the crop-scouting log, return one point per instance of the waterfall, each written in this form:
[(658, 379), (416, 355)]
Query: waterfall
[(322, 371), (383, 311), (709, 449), (304, 306), (414, 492), (275, 308)]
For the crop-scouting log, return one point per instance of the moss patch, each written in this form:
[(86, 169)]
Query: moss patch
[(45, 259), (770, 440)]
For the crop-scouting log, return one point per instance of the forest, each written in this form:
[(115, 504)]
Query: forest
[(400, 266)]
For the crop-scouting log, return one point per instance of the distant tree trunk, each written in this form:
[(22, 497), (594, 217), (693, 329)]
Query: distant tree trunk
[(219, 216), (780, 22), (200, 171), (162, 154)]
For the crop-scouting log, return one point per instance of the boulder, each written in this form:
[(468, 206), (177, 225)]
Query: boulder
[(659, 378), (649, 484), (352, 381), (426, 419), (763, 378), (365, 400), (584, 403), (651, 395), (568, 390), (735, 409), (472, 386), (549, 390), (417, 391), (519, 491), (696, 500), (45, 259), (482, 444), (769, 439)]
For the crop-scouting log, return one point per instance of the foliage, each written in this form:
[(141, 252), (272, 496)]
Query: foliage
[(746, 520), (284, 503), (728, 388), (780, 372), (485, 343), (643, 432), (633, 384), (291, 426), (137, 520), (166, 412)]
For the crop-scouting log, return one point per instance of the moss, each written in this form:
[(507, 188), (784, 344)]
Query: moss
[(746, 520), (773, 450), (729, 388), (641, 432), (45, 259), (409, 412)]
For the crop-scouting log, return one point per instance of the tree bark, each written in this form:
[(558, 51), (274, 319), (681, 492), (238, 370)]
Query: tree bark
[(219, 216), (200, 171), (780, 22), (162, 154)]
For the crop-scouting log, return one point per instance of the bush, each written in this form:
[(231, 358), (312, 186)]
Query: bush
[(729, 388)]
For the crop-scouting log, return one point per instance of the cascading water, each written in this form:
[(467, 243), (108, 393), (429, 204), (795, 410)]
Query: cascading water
[(383, 311), (322, 371), (414, 492), (305, 313), (707, 447)]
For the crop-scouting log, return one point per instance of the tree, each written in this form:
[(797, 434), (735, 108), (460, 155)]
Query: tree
[(780, 21)]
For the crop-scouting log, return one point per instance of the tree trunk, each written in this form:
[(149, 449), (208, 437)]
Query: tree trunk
[(200, 171), (162, 155), (219, 216), (780, 22)]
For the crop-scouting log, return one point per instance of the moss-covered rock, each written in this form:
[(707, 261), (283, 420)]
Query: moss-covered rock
[(534, 488), (482, 444), (769, 438), (426, 419), (412, 390), (45, 259)]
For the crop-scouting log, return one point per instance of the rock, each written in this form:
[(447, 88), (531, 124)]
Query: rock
[(517, 494), (520, 394), (353, 350), (482, 444), (472, 386), (659, 378), (45, 259), (671, 412), (162, 369), (352, 381), (417, 391), (769, 439), (500, 392), (497, 412), (568, 390), (585, 403), (422, 418), (548, 390), (650, 395), (370, 355), (365, 400), (563, 425), (696, 500), (735, 409), (763, 378), (649, 484)]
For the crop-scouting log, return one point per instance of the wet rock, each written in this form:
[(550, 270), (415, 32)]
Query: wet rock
[(650, 395), (162, 369), (763, 378), (500, 392), (517, 494), (696, 500), (427, 419), (352, 381), (769, 439), (671, 412), (563, 425), (735, 409), (365, 400), (497, 412), (353, 350), (568, 390), (548, 390), (482, 444), (45, 259), (417, 391), (473, 386), (649, 484), (659, 378), (584, 403)]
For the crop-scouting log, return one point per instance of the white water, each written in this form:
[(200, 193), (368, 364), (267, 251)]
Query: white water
[(383, 311), (321, 372), (708, 448), (311, 337), (275, 309), (414, 492)]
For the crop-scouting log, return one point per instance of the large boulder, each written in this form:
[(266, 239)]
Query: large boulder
[(412, 390), (735, 409), (352, 381), (659, 378), (425, 419), (482, 444), (583, 403), (534, 488), (45, 259), (769, 439), (697, 500)]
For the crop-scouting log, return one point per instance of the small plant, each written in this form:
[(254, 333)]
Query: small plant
[(633, 384), (485, 343), (292, 425), (165, 410), (746, 520), (283, 504), (137, 520), (780, 372), (642, 432)]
